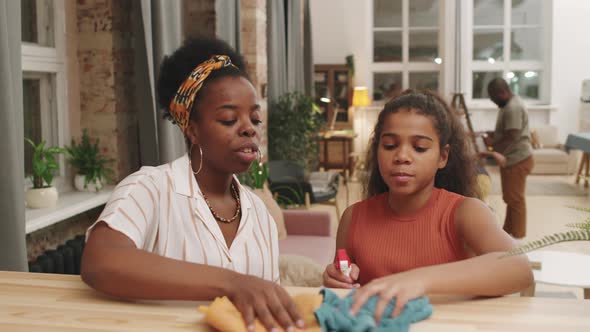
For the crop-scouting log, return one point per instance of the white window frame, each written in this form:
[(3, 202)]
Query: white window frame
[(38, 60), (507, 65), (405, 67)]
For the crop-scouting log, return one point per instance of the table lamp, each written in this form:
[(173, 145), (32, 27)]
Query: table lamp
[(360, 97)]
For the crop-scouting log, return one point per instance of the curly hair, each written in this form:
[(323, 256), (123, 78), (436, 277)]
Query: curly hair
[(459, 175), (176, 68)]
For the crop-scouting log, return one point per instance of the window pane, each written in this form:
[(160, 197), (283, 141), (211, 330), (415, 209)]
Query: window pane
[(525, 83), (423, 46), (526, 12), (32, 118), (488, 45), (388, 46), (322, 94), (526, 44), (37, 22), (480, 83), (386, 85), (342, 91), (424, 13), (387, 13), (424, 81), (488, 12)]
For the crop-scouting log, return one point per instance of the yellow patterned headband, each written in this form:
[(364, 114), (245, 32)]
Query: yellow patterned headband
[(182, 103)]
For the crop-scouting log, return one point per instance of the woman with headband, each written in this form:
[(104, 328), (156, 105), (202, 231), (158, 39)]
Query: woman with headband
[(188, 230)]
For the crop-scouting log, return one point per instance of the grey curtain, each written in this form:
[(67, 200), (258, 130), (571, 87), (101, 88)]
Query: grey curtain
[(290, 63), (160, 140), (13, 252), (307, 51), (276, 50)]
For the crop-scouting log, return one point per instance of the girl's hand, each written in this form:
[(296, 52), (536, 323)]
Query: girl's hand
[(403, 286), (334, 278), (265, 300)]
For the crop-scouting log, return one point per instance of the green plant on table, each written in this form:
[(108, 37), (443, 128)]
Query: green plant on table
[(86, 158), (44, 164), (255, 176), (580, 232)]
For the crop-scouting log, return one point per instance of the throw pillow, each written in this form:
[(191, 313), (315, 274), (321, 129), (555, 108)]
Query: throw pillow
[(300, 271), (274, 209), (535, 141)]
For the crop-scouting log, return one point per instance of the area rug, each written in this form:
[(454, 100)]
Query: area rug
[(545, 187)]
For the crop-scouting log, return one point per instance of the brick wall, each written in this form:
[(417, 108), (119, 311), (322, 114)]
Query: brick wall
[(106, 63), (253, 39), (199, 18)]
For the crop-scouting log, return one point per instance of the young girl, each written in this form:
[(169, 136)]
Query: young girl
[(188, 230), (417, 233)]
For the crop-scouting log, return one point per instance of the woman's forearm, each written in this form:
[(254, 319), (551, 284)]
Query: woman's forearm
[(488, 275), (135, 274)]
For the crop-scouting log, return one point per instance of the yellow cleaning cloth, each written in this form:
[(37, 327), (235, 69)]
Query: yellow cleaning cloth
[(222, 315)]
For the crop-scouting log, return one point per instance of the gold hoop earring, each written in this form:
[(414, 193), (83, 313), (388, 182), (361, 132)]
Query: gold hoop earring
[(190, 159)]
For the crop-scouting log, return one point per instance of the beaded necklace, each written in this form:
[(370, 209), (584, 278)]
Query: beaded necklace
[(238, 207)]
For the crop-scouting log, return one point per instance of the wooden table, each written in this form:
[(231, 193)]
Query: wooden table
[(50, 302)]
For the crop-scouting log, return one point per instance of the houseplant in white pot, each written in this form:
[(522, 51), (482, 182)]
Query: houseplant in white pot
[(91, 166), (43, 194)]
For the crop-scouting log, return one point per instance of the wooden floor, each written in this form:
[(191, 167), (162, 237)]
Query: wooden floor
[(545, 215)]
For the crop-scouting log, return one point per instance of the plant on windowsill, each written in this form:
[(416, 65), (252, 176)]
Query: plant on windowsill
[(91, 166), (43, 194)]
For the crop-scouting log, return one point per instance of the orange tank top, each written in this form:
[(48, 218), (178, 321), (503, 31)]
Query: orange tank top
[(383, 243)]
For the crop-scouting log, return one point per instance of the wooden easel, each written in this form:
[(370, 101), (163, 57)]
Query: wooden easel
[(458, 106)]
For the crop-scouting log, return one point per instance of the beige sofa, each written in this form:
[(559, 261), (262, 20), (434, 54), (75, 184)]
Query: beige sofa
[(549, 154)]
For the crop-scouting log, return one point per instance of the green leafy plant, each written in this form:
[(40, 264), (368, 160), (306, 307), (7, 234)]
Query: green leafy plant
[(44, 164), (255, 176), (293, 126), (88, 161), (581, 232)]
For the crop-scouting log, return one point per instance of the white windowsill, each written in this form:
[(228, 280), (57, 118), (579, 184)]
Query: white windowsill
[(69, 204)]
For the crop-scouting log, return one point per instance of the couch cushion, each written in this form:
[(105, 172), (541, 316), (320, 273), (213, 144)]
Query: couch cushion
[(274, 209), (550, 156), (300, 271), (547, 136), (318, 248)]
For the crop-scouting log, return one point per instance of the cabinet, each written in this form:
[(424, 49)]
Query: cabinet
[(333, 94)]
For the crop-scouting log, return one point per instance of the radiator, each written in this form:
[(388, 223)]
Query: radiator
[(65, 259)]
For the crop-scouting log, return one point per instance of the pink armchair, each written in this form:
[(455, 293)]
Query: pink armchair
[(309, 234)]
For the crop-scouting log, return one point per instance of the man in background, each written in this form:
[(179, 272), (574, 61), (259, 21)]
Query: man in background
[(511, 138)]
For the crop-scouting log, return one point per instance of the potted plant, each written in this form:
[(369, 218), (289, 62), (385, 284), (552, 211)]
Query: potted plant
[(91, 166), (256, 177), (581, 232), (43, 194), (294, 122)]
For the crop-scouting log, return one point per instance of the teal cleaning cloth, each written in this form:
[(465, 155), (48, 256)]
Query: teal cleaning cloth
[(334, 314)]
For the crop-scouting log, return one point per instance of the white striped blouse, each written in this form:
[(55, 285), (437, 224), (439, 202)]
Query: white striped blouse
[(162, 210)]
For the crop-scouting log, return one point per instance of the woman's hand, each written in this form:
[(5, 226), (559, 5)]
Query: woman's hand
[(265, 300), (403, 286), (334, 278)]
